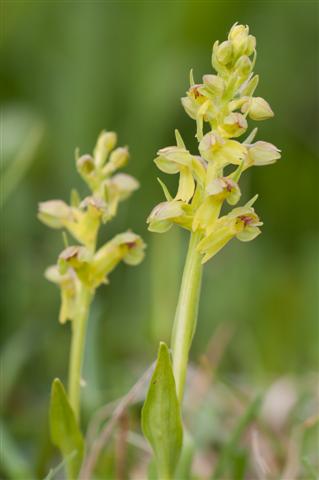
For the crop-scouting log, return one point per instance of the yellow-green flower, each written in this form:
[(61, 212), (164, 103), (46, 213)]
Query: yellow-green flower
[(242, 42), (97, 170), (224, 101), (83, 265), (223, 152), (69, 286), (178, 160), (262, 153), (127, 246), (233, 125), (165, 214), (257, 108), (82, 222), (241, 222)]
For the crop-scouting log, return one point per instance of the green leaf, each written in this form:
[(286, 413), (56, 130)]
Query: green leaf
[(239, 462), (65, 432), (161, 416)]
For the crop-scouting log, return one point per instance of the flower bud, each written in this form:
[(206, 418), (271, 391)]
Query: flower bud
[(105, 143), (258, 109), (224, 52), (251, 45), (85, 165), (122, 185), (263, 153), (116, 189), (118, 159), (243, 67), (242, 42)]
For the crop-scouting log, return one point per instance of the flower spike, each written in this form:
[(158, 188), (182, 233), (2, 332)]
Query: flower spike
[(223, 102)]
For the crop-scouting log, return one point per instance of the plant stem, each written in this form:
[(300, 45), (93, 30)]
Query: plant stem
[(79, 325), (186, 313)]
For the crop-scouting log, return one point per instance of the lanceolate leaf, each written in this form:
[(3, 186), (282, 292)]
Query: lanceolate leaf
[(65, 432), (161, 416)]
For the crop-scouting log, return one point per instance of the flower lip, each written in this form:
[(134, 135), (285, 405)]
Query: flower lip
[(229, 184), (246, 219), (70, 252), (95, 202)]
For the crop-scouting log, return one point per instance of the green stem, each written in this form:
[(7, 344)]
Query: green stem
[(186, 313), (79, 325)]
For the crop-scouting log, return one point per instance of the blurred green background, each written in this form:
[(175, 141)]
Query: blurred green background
[(70, 69)]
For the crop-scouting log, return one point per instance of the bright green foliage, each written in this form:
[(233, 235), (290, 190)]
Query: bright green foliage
[(65, 433), (223, 102), (161, 416)]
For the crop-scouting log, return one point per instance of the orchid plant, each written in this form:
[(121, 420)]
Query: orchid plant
[(81, 268), (220, 105)]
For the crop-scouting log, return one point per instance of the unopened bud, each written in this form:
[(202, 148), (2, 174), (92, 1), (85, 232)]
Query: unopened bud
[(85, 165), (105, 143), (243, 66), (258, 109), (263, 153), (118, 159), (123, 184), (238, 36), (224, 52), (251, 45)]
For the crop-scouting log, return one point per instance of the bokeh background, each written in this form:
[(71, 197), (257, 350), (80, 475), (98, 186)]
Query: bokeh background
[(72, 68)]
